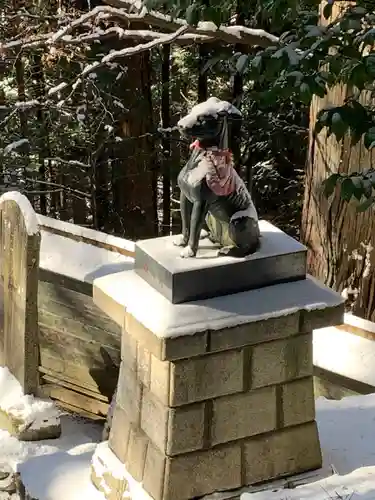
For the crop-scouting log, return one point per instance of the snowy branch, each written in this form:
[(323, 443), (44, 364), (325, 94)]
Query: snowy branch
[(226, 34), (116, 54), (99, 35), (205, 31)]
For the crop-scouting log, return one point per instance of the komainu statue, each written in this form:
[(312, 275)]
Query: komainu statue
[(212, 193)]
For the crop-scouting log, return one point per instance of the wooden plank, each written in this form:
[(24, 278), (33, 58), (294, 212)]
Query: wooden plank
[(358, 326), (60, 301), (64, 294), (65, 281), (76, 349), (75, 409), (69, 326), (67, 396), (20, 245), (334, 386), (52, 379), (97, 380), (80, 323), (354, 330)]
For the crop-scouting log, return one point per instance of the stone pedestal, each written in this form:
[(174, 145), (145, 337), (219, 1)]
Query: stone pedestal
[(218, 393)]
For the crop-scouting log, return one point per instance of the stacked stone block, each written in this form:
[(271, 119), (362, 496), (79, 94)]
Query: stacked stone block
[(219, 409)]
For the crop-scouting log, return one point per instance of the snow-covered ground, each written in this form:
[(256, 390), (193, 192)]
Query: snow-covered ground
[(59, 469)]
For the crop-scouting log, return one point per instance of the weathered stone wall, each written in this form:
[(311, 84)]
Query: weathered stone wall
[(217, 410)]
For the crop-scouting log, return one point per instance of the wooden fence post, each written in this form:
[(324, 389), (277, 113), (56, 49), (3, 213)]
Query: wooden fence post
[(19, 254)]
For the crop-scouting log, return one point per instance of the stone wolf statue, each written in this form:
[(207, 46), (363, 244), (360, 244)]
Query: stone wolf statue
[(212, 192)]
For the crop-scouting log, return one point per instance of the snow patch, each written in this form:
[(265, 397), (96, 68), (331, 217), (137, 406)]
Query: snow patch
[(55, 90), (65, 476), (14, 145), (31, 220), (84, 232), (212, 107), (89, 261), (25, 408), (358, 485), (354, 355)]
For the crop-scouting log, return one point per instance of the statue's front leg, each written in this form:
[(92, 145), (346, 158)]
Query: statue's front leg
[(186, 208), (197, 219)]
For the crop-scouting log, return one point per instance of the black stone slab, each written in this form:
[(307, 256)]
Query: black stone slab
[(280, 259)]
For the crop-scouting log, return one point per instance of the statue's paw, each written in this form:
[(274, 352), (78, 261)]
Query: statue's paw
[(180, 241), (204, 234), (188, 252), (228, 250)]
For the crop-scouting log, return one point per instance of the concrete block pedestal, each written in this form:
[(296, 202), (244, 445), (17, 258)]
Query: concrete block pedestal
[(213, 394)]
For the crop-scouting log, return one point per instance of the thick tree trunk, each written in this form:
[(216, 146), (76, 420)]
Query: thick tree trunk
[(133, 171), (340, 240)]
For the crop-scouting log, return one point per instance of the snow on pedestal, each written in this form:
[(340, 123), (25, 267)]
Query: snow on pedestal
[(24, 416)]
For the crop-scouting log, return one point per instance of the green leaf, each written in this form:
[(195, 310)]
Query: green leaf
[(330, 184), (369, 138), (366, 204), (327, 11), (318, 86), (369, 36), (370, 64), (213, 14), (241, 63), (192, 14), (256, 63), (211, 63), (338, 126), (305, 93), (358, 76), (367, 186), (347, 189), (358, 190), (323, 116)]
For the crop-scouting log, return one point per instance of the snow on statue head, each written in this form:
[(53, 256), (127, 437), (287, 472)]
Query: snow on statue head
[(212, 123), (212, 192)]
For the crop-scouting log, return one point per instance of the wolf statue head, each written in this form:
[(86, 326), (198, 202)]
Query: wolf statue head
[(214, 123)]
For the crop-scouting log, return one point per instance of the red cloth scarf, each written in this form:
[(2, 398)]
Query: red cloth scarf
[(221, 175)]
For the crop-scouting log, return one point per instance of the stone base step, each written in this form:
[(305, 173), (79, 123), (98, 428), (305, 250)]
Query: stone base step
[(111, 478)]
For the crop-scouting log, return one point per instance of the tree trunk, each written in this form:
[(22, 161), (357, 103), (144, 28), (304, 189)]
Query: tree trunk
[(202, 76), (175, 145), (166, 122), (340, 240), (45, 174), (238, 90), (133, 171)]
